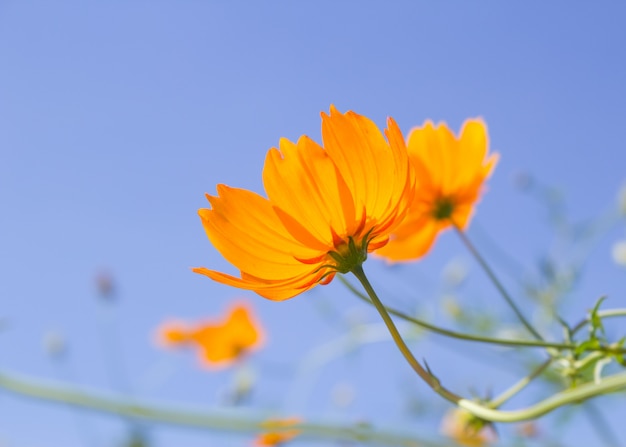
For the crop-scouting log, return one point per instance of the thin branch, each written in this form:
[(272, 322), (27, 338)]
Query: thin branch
[(492, 276), (483, 339), (222, 420)]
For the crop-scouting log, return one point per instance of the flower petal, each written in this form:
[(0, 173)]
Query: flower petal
[(306, 171), (411, 244), (277, 290), (363, 157), (244, 228)]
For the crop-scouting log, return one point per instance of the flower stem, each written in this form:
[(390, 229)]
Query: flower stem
[(611, 384), (175, 414), (496, 282), (608, 313), (426, 376), (483, 339)]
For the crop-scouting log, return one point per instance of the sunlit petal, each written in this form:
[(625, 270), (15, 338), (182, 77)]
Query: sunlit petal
[(450, 173)]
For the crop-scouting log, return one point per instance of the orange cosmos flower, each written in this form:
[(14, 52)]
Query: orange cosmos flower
[(450, 173), (460, 425), (221, 341), (274, 438), (327, 207)]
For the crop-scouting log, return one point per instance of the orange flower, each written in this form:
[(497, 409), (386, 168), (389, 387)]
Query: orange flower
[(327, 207), (221, 341), (450, 173), (274, 438), (465, 430)]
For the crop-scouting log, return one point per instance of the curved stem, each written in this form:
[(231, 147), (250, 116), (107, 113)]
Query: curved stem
[(480, 338), (234, 421), (426, 376), (611, 384), (492, 276)]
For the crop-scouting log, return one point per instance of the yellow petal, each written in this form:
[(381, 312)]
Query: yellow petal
[(472, 149), (363, 157), (412, 243), (244, 228), (309, 195), (277, 290), (172, 333)]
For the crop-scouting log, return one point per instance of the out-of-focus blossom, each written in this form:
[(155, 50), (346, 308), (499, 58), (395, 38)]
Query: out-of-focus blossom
[(105, 285), (54, 344), (454, 273), (450, 174), (527, 429), (272, 437), (619, 253), (221, 341), (327, 207), (343, 394), (461, 426)]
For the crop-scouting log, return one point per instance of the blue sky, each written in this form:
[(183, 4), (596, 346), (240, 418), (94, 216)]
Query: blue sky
[(116, 117)]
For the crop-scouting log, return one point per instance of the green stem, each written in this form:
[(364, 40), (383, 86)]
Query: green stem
[(426, 376), (589, 360), (496, 282), (477, 338), (233, 421), (609, 313), (519, 386), (611, 384)]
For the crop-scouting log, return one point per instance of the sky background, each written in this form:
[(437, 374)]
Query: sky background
[(116, 117)]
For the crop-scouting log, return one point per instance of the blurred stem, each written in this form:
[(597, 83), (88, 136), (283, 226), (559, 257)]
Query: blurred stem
[(232, 421), (214, 420), (480, 338), (426, 376), (519, 386), (608, 313), (610, 384), (494, 279)]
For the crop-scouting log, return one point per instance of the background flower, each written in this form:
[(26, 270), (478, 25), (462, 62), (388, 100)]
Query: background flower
[(220, 342), (450, 173), (275, 438)]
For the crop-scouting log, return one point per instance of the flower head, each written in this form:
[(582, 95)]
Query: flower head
[(450, 172), (221, 341), (461, 426), (275, 438), (327, 207)]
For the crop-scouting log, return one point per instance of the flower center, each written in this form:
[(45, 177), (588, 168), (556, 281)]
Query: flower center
[(443, 209)]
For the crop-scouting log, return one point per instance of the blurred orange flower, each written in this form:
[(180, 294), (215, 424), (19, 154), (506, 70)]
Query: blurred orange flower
[(274, 438), (450, 173), (327, 208), (457, 424), (221, 341)]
